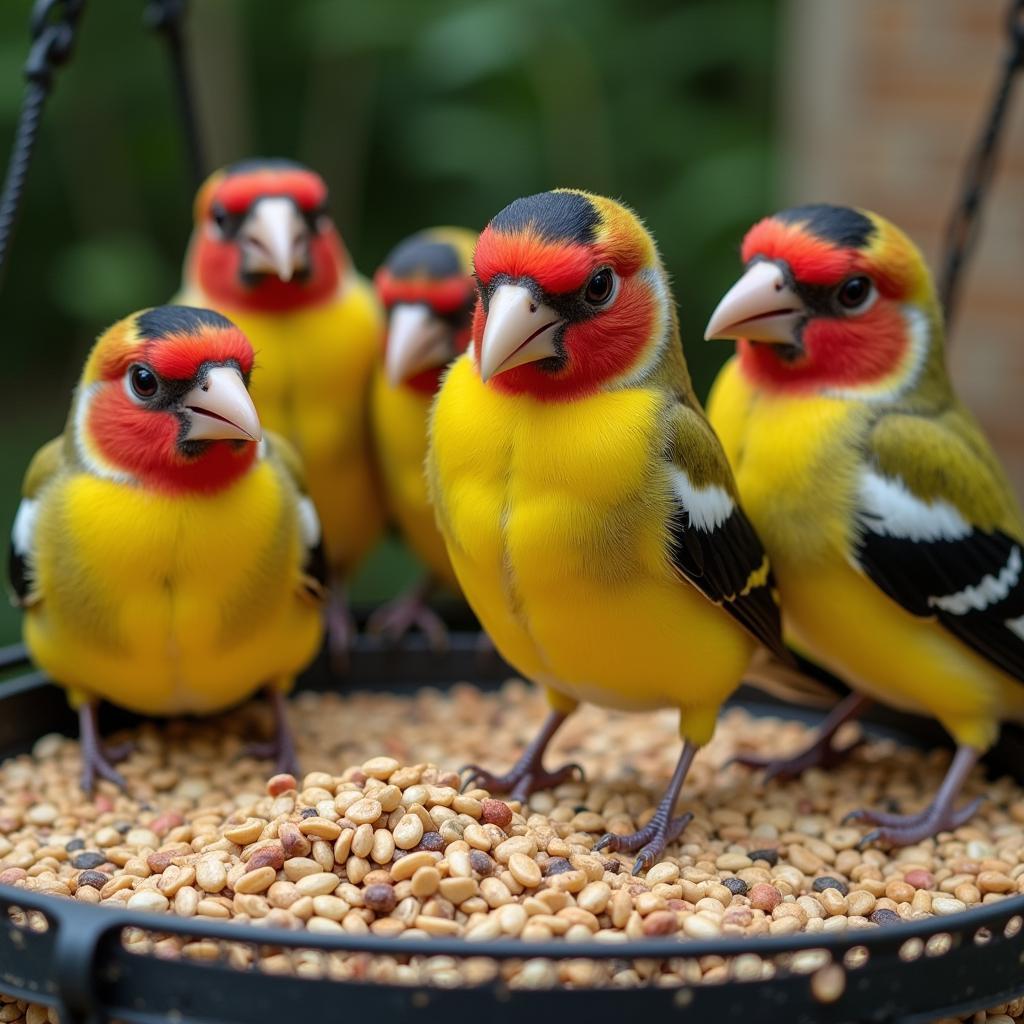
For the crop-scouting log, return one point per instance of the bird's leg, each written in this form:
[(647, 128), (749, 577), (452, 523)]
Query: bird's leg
[(282, 747), (96, 760), (394, 619), (820, 753), (663, 828), (528, 773), (939, 816), (341, 629)]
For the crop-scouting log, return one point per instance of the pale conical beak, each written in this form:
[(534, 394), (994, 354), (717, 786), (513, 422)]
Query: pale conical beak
[(274, 239), (519, 330), (417, 341), (760, 306), (220, 409)]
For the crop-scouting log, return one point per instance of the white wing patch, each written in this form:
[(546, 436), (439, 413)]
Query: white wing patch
[(708, 507), (309, 523), (890, 510), (1016, 626), (24, 529), (991, 590)]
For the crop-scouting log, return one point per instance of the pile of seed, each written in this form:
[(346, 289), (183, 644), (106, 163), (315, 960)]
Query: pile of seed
[(378, 839)]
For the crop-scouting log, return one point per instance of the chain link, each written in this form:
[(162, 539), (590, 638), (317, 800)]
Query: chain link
[(964, 226), (52, 26)]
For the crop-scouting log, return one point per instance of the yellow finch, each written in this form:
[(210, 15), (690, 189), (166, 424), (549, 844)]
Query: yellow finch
[(426, 285), (166, 558), (588, 508), (266, 253), (892, 529)]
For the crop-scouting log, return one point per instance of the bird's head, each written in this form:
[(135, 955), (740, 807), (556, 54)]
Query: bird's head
[(164, 402), (426, 285), (834, 300), (263, 238), (573, 297)]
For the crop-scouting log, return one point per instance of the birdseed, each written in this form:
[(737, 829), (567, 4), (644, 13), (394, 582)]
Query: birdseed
[(378, 839)]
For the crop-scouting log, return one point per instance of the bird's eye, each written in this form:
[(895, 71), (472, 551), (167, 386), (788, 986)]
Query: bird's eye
[(600, 287), (143, 382), (855, 292)]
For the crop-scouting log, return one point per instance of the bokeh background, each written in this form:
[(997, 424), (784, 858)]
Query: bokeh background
[(703, 114)]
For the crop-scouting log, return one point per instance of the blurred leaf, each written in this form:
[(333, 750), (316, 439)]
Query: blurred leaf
[(487, 38), (103, 279)]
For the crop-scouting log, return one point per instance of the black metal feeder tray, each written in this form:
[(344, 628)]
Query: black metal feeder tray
[(70, 955)]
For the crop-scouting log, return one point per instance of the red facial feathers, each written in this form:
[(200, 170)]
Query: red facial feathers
[(838, 353), (447, 295), (179, 357), (237, 192)]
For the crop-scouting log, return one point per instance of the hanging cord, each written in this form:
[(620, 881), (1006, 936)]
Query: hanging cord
[(964, 226), (52, 26), (167, 17)]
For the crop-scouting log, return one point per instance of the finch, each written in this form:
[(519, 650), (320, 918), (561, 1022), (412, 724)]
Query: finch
[(427, 288), (588, 508), (167, 559), (894, 534), (265, 252)]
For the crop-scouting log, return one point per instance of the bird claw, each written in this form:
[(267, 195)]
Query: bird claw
[(650, 841), (522, 780), (101, 763), (282, 747), (908, 829), (392, 621), (817, 755)]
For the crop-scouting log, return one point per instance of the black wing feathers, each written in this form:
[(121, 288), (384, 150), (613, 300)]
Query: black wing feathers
[(923, 575), (720, 563)]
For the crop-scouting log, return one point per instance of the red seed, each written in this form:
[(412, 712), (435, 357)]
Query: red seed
[(165, 822), (495, 812), (764, 897), (283, 783), (919, 878), (11, 875)]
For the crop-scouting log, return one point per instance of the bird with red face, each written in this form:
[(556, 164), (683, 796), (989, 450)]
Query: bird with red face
[(588, 508), (266, 253), (894, 534), (165, 553), (426, 285)]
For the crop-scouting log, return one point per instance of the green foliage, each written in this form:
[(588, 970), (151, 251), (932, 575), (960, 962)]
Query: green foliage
[(416, 112)]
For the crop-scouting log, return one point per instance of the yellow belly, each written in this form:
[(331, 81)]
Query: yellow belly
[(400, 435), (843, 620), (796, 462), (170, 605), (311, 384), (555, 517)]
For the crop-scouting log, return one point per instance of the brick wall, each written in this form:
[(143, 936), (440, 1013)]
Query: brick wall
[(882, 100)]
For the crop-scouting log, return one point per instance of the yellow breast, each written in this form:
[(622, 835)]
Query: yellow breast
[(169, 604), (311, 384), (556, 519), (400, 417)]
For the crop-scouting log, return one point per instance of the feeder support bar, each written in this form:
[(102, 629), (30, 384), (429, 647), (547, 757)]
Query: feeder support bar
[(964, 225), (168, 18)]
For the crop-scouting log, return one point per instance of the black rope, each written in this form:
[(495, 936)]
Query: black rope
[(167, 17), (52, 26), (962, 232)]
